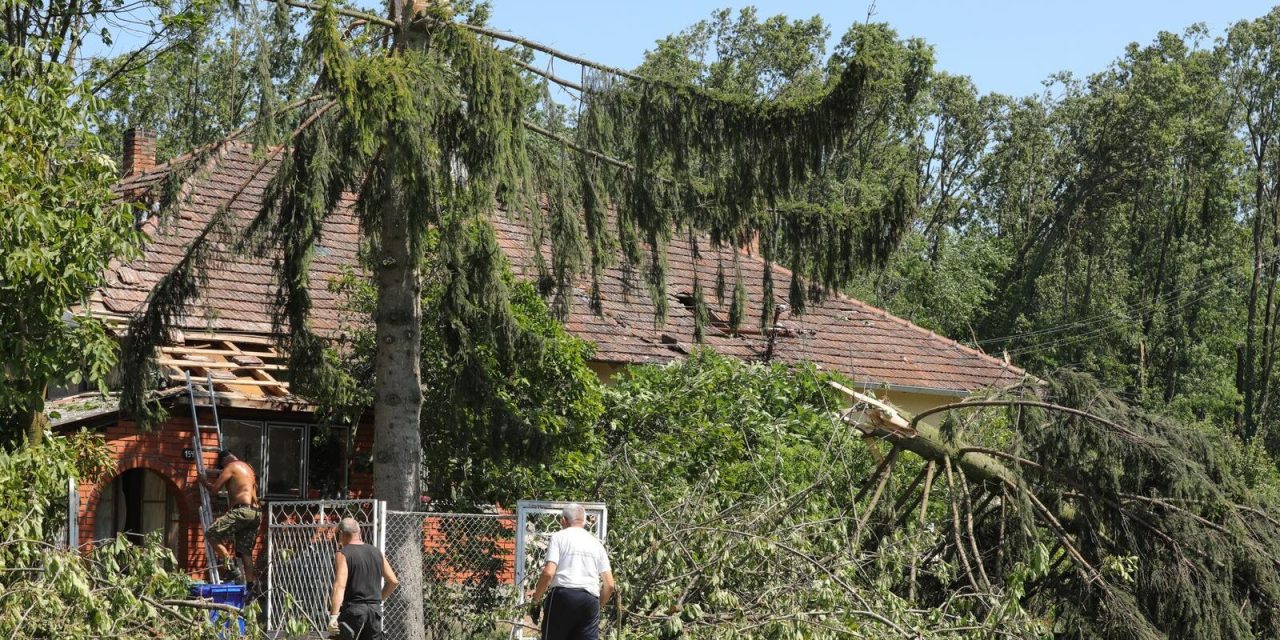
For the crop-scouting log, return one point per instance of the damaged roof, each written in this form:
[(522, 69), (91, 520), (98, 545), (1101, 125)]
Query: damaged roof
[(871, 346)]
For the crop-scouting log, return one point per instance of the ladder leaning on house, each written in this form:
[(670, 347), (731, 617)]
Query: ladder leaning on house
[(203, 390)]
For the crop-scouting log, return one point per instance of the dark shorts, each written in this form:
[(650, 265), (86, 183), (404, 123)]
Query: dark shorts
[(360, 622), (239, 525), (571, 614)]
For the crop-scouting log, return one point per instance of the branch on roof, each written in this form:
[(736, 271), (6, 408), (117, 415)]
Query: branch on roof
[(173, 293)]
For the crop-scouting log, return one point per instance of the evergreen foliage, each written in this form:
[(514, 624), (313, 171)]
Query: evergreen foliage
[(493, 431), (1170, 532)]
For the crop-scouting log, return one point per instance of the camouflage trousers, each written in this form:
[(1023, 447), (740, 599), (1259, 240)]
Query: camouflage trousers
[(240, 525)]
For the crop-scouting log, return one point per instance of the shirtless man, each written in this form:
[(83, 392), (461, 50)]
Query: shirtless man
[(240, 523)]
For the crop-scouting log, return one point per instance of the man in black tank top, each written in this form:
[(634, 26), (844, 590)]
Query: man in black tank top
[(355, 606)]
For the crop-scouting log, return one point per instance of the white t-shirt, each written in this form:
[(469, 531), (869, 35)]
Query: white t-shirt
[(579, 558)]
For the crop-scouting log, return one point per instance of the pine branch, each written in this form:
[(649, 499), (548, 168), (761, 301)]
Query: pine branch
[(577, 147), (568, 84), (538, 46), (350, 13)]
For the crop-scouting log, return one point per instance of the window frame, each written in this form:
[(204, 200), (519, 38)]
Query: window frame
[(303, 459), (262, 447), (308, 432)]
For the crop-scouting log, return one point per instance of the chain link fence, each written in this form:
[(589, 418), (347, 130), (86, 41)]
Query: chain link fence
[(302, 541), (468, 569), (472, 565)]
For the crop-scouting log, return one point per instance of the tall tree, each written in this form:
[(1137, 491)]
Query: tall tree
[(431, 133), (1254, 80)]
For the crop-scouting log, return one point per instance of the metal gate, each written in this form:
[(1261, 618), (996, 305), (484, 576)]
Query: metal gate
[(302, 542), (535, 522)]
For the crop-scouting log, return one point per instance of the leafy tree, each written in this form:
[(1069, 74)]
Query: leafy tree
[(216, 75), (1253, 78), (62, 226), (942, 279), (117, 590)]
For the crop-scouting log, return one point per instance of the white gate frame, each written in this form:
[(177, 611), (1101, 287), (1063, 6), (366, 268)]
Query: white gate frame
[(73, 513), (377, 509), (541, 507)]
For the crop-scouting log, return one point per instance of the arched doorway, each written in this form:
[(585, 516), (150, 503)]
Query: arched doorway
[(138, 503)]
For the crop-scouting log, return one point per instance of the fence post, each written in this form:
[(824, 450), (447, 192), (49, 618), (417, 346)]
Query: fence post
[(73, 513), (271, 564), (519, 561)]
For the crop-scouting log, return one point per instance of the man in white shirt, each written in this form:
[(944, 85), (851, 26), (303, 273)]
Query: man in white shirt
[(581, 580)]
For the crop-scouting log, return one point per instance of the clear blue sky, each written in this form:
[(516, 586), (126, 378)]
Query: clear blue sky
[(1008, 46)]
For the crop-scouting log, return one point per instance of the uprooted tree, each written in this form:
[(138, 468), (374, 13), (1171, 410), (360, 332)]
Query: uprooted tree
[(765, 514)]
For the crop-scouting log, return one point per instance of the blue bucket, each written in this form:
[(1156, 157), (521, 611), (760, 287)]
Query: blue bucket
[(231, 594)]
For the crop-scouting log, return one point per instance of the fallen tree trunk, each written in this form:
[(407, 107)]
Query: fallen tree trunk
[(877, 418)]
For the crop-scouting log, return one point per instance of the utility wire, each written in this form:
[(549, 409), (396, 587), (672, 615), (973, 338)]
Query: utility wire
[(1202, 291), (1200, 284)]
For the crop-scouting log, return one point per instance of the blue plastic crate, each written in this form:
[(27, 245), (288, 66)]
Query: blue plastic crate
[(232, 594)]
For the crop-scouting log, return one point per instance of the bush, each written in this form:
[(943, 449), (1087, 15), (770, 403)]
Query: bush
[(118, 590)]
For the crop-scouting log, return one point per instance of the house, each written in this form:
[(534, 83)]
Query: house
[(228, 337)]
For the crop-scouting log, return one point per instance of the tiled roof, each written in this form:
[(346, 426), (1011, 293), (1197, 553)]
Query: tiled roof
[(842, 334), (240, 289)]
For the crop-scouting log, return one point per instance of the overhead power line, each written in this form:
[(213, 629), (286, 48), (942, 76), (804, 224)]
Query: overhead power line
[(1199, 285)]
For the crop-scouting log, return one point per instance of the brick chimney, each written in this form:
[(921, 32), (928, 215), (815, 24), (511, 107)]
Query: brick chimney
[(139, 151)]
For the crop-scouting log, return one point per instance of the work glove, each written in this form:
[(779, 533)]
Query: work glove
[(535, 612), (333, 625)]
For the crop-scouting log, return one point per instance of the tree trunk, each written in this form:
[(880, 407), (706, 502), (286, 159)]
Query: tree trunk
[(1250, 333), (397, 456), (34, 422), (884, 421)]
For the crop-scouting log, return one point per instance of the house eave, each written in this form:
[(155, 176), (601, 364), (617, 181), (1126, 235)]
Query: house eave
[(868, 385)]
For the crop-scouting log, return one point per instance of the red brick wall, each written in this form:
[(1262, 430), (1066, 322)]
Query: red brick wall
[(160, 451), (456, 549)]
